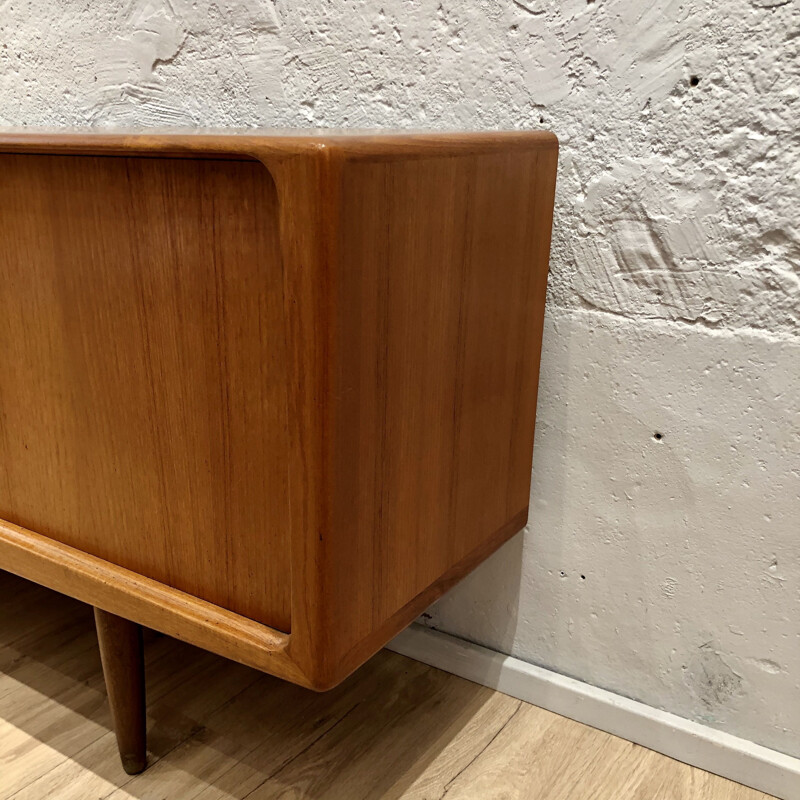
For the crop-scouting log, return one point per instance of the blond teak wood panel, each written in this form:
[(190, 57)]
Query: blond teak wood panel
[(396, 729), (269, 393)]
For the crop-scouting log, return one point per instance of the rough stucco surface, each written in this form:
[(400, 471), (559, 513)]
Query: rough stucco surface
[(664, 569)]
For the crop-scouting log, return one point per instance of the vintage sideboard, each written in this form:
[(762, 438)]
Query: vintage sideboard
[(271, 393)]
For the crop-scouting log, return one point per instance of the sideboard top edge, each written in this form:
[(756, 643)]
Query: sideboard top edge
[(254, 142)]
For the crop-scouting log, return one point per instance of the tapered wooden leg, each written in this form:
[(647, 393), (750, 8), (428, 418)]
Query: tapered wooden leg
[(123, 667)]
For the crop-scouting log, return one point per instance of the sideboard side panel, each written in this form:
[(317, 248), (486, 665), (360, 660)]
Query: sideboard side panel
[(441, 279)]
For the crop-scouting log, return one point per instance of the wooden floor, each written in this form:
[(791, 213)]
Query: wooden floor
[(219, 730)]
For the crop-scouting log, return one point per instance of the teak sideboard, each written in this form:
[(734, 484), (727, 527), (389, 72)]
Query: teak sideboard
[(269, 393)]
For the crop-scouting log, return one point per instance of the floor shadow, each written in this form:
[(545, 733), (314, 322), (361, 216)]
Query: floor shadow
[(216, 728)]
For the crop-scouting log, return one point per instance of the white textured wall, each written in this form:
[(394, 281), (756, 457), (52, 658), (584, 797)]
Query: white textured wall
[(664, 569)]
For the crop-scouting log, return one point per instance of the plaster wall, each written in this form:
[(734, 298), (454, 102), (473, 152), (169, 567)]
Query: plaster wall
[(666, 568)]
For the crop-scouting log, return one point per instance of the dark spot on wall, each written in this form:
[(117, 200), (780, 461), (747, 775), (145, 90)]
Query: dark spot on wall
[(694, 80), (583, 577), (658, 436), (711, 679)]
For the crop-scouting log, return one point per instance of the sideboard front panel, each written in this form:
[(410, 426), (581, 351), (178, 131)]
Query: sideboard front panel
[(143, 404)]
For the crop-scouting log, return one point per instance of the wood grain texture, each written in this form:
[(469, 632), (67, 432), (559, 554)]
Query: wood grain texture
[(144, 404), (396, 729), (440, 294), (362, 316)]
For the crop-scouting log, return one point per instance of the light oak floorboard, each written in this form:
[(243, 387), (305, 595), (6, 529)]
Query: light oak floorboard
[(219, 731)]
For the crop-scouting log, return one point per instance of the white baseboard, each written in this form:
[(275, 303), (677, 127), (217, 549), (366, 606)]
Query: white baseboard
[(712, 750)]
